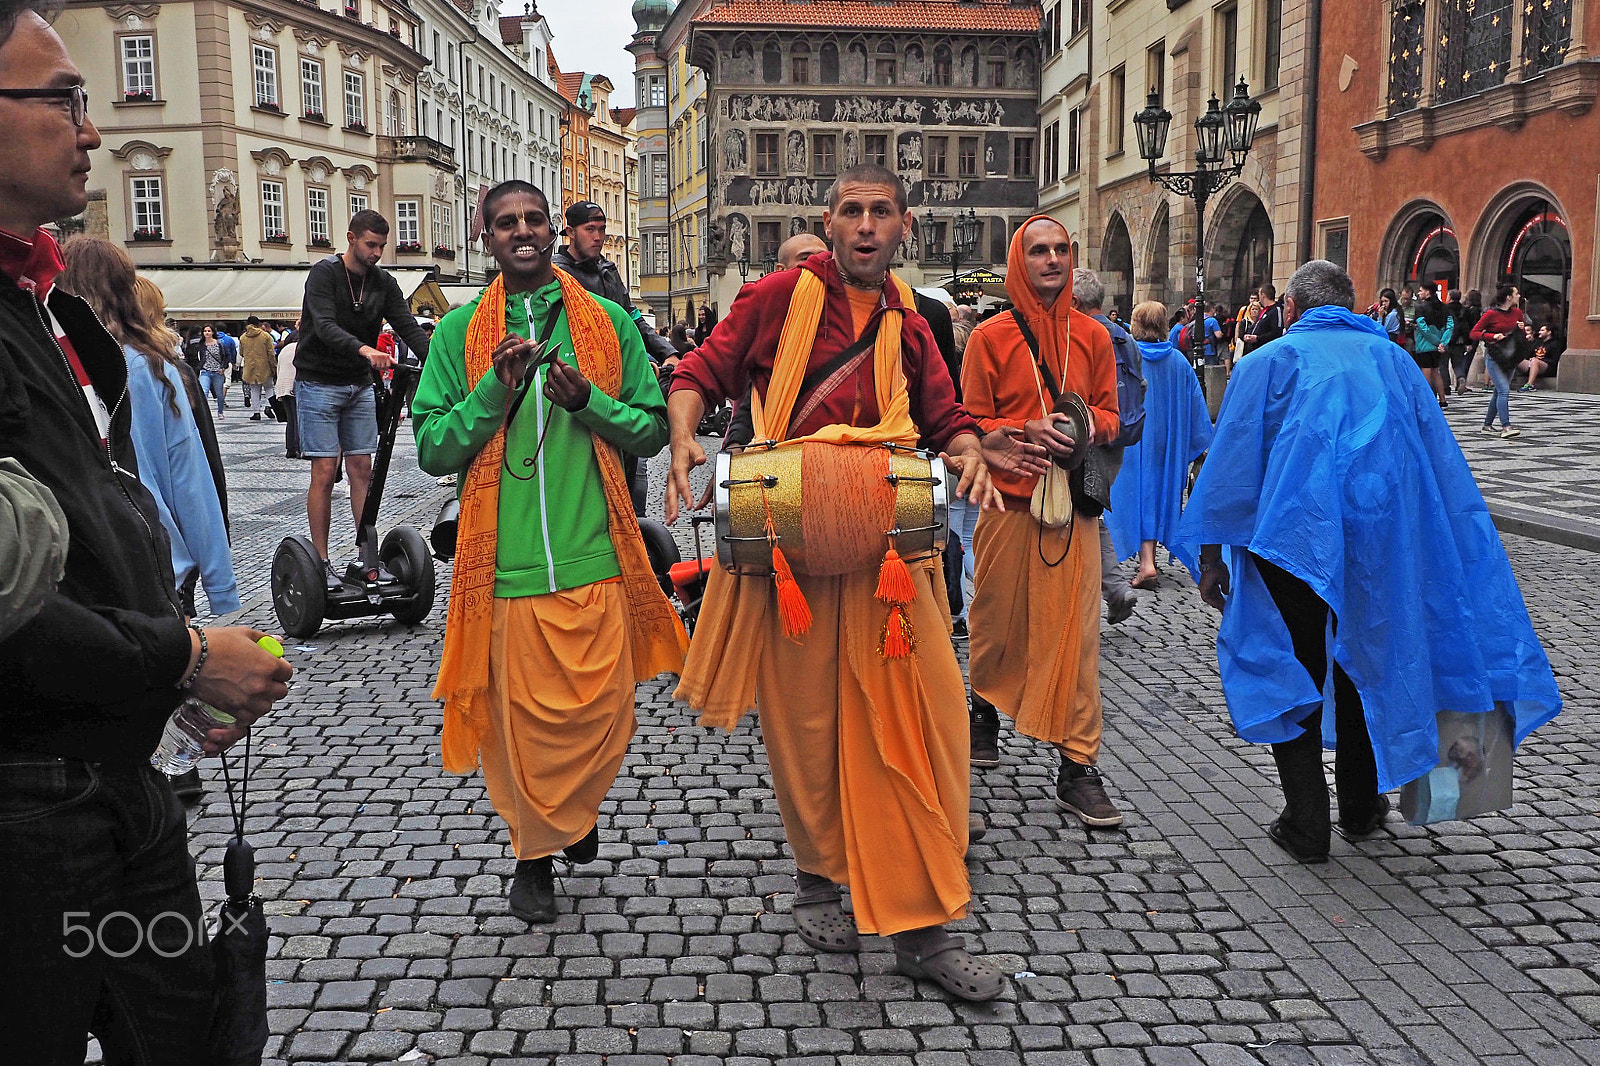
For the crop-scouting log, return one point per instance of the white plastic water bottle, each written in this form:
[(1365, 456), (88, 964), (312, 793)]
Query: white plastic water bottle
[(181, 747)]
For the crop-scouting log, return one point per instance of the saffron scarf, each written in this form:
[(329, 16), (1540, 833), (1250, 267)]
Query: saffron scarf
[(656, 633)]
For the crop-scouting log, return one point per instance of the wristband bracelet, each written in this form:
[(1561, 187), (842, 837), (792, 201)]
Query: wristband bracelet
[(205, 653)]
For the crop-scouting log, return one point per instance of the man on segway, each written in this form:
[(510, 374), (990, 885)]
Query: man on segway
[(348, 298)]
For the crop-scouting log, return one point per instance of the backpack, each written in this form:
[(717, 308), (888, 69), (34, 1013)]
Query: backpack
[(1130, 384), (1183, 341)]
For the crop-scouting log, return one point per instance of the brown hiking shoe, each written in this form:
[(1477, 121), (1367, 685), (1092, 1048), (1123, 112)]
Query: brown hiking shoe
[(1081, 790)]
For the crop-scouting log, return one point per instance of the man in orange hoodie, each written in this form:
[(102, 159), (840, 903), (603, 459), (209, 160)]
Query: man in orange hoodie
[(1035, 616)]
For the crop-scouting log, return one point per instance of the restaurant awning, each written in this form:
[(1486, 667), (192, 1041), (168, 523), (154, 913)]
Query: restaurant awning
[(234, 292)]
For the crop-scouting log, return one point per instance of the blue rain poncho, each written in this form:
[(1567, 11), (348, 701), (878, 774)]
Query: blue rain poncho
[(1333, 461), (1147, 496)]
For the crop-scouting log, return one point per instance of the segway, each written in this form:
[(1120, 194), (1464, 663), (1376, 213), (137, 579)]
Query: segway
[(393, 578)]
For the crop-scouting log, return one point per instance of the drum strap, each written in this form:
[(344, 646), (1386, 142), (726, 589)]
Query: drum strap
[(826, 379)]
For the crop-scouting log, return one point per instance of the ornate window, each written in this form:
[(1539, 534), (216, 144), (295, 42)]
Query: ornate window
[(1547, 33), (147, 207), (274, 227), (138, 66), (359, 201), (767, 154), (1406, 26), (311, 101), (264, 61), (317, 217), (1474, 47), (661, 253), (443, 226), (407, 222), (355, 100)]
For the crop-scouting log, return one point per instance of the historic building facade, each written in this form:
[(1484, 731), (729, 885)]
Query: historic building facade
[(654, 234), (253, 131), (1457, 145), (688, 152), (1142, 239), (1065, 80), (944, 93)]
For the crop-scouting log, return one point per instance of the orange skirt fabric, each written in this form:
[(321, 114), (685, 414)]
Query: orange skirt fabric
[(869, 757), (561, 694), (1035, 644)]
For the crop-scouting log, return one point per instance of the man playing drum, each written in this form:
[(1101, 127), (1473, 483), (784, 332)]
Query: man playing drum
[(867, 743), (1036, 592)]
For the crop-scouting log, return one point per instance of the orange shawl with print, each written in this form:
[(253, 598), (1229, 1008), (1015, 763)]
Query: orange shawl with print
[(655, 631), (719, 676)]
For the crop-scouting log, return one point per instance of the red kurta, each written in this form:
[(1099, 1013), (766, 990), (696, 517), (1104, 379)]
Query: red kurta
[(742, 348)]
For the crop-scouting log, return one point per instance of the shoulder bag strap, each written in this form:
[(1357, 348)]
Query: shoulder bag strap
[(1045, 374)]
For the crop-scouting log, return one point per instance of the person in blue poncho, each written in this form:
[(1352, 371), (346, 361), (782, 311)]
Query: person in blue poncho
[(1339, 525), (1147, 496)]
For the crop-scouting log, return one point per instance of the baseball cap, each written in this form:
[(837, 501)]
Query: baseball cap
[(585, 211)]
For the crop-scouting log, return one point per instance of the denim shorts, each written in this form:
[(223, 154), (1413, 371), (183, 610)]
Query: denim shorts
[(335, 419)]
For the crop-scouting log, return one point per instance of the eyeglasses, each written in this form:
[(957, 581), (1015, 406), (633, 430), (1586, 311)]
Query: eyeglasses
[(76, 96)]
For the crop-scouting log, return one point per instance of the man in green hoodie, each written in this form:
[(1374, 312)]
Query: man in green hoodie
[(538, 677)]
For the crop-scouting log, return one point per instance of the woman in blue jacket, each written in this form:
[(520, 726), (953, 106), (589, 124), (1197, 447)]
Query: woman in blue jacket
[(1434, 329), (172, 460)]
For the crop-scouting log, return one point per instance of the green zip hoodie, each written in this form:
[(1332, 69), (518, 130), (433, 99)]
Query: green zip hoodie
[(553, 533)]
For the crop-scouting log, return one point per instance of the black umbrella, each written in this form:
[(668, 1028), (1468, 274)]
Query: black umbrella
[(239, 952)]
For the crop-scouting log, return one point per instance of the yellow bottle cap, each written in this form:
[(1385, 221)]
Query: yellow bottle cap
[(271, 644)]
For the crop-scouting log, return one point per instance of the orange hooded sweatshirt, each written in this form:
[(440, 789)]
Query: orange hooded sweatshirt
[(998, 383)]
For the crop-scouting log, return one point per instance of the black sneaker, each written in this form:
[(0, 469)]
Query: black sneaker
[(188, 786), (333, 579), (958, 629), (985, 734), (533, 891), (1354, 830), (1082, 791), (256, 417), (585, 850)]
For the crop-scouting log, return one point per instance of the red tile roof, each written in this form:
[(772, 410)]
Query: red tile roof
[(569, 84), (511, 29), (1002, 16), (623, 115)]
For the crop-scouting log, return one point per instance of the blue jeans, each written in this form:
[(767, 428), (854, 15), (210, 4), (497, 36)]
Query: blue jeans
[(963, 520), (214, 383), (1500, 402), (101, 927), (336, 419)]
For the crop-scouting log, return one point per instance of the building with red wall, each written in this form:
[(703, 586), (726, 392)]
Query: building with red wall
[(1456, 143)]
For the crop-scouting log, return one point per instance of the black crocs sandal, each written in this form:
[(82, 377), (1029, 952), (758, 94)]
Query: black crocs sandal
[(825, 926), (954, 970)]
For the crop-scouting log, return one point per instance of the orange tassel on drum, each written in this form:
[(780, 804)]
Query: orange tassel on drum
[(894, 580), (899, 639), (793, 610)]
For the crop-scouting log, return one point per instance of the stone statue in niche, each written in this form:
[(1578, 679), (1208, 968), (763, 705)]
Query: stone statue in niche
[(733, 152), (916, 68), (742, 64), (226, 218), (855, 66), (1027, 67), (714, 234), (914, 243), (797, 152), (796, 226), (852, 152), (737, 246)]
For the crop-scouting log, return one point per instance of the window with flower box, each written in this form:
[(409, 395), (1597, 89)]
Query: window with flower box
[(274, 227), (311, 101), (138, 67), (355, 101), (148, 209), (264, 61)]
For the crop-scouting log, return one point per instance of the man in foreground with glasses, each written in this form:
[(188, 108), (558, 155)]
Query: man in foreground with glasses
[(554, 612), (100, 918)]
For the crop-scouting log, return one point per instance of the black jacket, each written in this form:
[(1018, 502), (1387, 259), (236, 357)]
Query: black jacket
[(94, 675), (601, 277), (944, 333), (333, 331)]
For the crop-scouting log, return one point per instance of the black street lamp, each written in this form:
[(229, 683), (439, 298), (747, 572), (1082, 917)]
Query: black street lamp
[(965, 230), (744, 268), (1221, 131), (769, 263)]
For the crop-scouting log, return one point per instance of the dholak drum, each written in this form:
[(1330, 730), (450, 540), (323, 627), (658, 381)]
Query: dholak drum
[(834, 507)]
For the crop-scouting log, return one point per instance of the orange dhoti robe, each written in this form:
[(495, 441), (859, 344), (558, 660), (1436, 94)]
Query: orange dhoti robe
[(560, 703), (888, 815), (1035, 645)]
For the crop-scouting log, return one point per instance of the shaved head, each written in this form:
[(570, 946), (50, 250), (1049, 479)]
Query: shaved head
[(1046, 230), (799, 248)]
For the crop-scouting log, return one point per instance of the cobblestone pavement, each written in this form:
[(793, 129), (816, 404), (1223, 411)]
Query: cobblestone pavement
[(1184, 938), (1550, 475)]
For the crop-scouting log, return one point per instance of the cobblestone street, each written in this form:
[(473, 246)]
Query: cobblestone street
[(1185, 937)]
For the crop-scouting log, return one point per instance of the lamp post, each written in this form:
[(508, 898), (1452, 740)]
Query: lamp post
[(964, 230), (744, 268), (1224, 136), (769, 263)]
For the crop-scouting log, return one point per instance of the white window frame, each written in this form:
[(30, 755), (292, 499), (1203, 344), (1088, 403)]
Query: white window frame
[(318, 215), (147, 209), (359, 201), (273, 218), (139, 67), (355, 100), (444, 230), (661, 253), (407, 222), (264, 64), (313, 99)]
